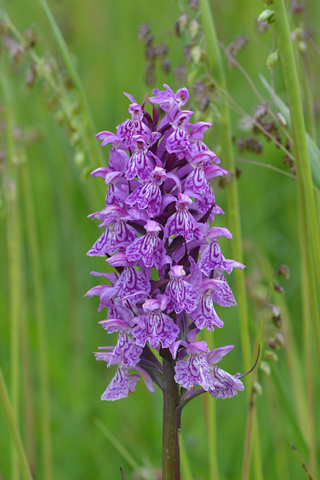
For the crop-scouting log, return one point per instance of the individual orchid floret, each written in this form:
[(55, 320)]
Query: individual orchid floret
[(205, 315), (223, 385), (132, 283), (104, 292), (122, 384), (182, 222), (117, 190), (169, 101), (149, 195), (126, 351), (118, 158), (203, 170), (117, 231), (178, 141), (141, 163), (223, 295), (182, 295), (149, 247), (194, 370), (196, 136), (211, 255), (134, 126), (155, 327)]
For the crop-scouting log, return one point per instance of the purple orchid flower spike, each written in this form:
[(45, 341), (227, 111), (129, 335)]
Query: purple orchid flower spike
[(169, 270)]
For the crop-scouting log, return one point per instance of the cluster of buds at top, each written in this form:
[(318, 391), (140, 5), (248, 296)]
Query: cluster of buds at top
[(169, 268)]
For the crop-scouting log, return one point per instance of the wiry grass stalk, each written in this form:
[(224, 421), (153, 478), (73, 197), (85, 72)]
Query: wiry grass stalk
[(10, 416), (14, 257), (41, 321), (306, 199), (225, 134), (294, 367)]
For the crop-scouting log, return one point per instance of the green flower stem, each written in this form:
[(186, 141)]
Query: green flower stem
[(14, 256), (10, 416), (171, 421), (306, 199)]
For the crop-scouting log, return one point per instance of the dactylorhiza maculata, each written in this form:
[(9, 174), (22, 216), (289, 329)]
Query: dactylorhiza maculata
[(169, 268)]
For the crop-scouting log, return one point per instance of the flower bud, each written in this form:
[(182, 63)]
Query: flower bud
[(18, 56), (183, 21), (79, 158), (273, 59), (166, 66), (52, 104), (29, 37), (271, 356), (194, 4), (257, 388), (284, 271), (143, 31), (278, 288), (196, 54), (265, 367), (281, 119), (3, 27), (266, 16), (194, 28)]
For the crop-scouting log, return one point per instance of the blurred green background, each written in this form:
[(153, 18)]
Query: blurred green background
[(102, 37)]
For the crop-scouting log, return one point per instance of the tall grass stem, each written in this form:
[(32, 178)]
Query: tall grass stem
[(10, 416), (33, 244), (14, 256)]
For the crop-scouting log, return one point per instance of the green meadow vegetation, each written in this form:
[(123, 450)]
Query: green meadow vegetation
[(63, 68)]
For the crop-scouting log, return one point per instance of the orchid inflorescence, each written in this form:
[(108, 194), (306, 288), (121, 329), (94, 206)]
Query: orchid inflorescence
[(170, 270)]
